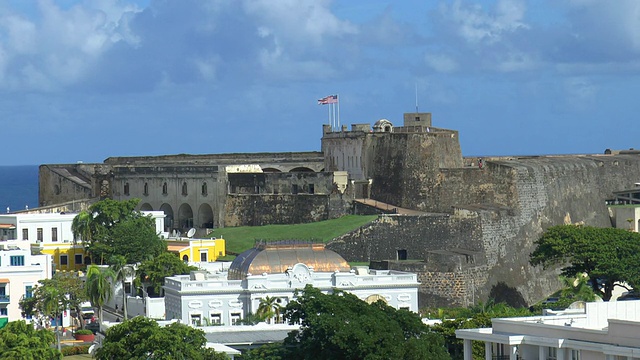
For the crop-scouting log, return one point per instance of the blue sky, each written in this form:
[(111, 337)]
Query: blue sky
[(86, 80)]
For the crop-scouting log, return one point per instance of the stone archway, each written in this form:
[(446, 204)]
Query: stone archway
[(205, 217), (185, 217), (146, 207), (168, 220), (301, 169)]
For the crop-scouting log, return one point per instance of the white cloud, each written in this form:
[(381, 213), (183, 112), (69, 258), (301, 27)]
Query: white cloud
[(476, 25), (441, 63), (309, 21), (58, 46)]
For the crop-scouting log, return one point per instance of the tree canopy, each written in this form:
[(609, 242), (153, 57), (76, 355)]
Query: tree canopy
[(608, 256), (153, 271), (141, 338), (19, 340), (50, 297), (111, 227), (341, 326)]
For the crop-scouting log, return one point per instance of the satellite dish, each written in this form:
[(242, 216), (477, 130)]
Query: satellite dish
[(191, 232)]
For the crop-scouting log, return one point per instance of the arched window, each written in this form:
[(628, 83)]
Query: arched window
[(184, 189), (146, 189), (126, 188), (164, 189), (204, 189)]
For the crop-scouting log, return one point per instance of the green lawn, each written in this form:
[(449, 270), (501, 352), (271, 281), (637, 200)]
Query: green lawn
[(239, 239)]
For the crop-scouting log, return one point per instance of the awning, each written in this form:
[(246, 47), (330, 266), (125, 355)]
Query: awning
[(7, 226), (4, 281), (3, 322)]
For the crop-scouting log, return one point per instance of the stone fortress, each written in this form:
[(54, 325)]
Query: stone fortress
[(466, 226)]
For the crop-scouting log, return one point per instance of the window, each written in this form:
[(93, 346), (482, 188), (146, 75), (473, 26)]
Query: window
[(28, 291), (215, 319), (77, 259), (54, 234), (25, 234), (3, 311), (126, 188), (204, 189), (16, 260), (294, 189), (164, 189), (203, 256), (196, 319), (312, 189), (146, 189), (575, 354), (402, 254), (552, 353), (184, 189), (235, 318), (64, 260), (39, 234)]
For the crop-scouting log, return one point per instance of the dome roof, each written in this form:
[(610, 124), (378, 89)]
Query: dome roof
[(382, 125), (275, 258)]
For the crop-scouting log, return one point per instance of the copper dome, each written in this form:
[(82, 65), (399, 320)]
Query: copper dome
[(277, 257)]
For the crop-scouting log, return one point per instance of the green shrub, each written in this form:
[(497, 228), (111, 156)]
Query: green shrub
[(84, 332), (75, 350)]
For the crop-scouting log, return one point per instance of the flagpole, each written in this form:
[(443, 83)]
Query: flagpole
[(338, 102)]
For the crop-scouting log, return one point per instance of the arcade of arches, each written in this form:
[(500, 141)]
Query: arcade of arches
[(184, 218)]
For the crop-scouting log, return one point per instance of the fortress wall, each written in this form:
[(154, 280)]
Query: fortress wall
[(382, 238), (493, 185), (55, 186), (256, 210), (402, 163), (543, 192), (231, 158), (281, 183), (345, 151), (550, 191)]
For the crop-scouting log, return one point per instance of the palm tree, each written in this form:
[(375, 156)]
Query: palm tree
[(82, 226), (269, 308), (98, 287), (122, 271)]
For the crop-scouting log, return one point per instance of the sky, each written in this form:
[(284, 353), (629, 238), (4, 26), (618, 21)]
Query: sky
[(87, 80)]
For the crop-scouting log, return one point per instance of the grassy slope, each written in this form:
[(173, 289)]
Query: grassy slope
[(242, 238)]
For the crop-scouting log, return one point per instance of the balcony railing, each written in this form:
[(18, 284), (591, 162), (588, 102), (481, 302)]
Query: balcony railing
[(4, 299)]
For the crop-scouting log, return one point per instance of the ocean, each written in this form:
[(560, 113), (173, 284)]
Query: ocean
[(18, 187)]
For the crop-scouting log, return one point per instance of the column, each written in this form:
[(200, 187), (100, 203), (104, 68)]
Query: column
[(542, 352), (513, 352), (487, 350), (468, 351)]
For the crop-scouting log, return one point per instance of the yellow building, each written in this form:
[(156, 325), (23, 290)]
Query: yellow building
[(197, 250), (65, 255)]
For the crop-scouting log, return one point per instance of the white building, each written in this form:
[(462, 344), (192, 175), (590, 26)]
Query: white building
[(19, 272), (602, 331), (51, 227), (278, 270)]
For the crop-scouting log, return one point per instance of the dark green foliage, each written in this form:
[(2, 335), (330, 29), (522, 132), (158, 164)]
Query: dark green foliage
[(113, 227), (606, 255), (141, 338), (266, 352), (154, 271), (20, 341), (341, 326)]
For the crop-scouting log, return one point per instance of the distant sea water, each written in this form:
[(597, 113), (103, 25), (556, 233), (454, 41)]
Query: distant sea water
[(18, 187)]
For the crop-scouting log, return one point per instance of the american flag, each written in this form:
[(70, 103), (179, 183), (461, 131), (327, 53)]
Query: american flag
[(331, 99)]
